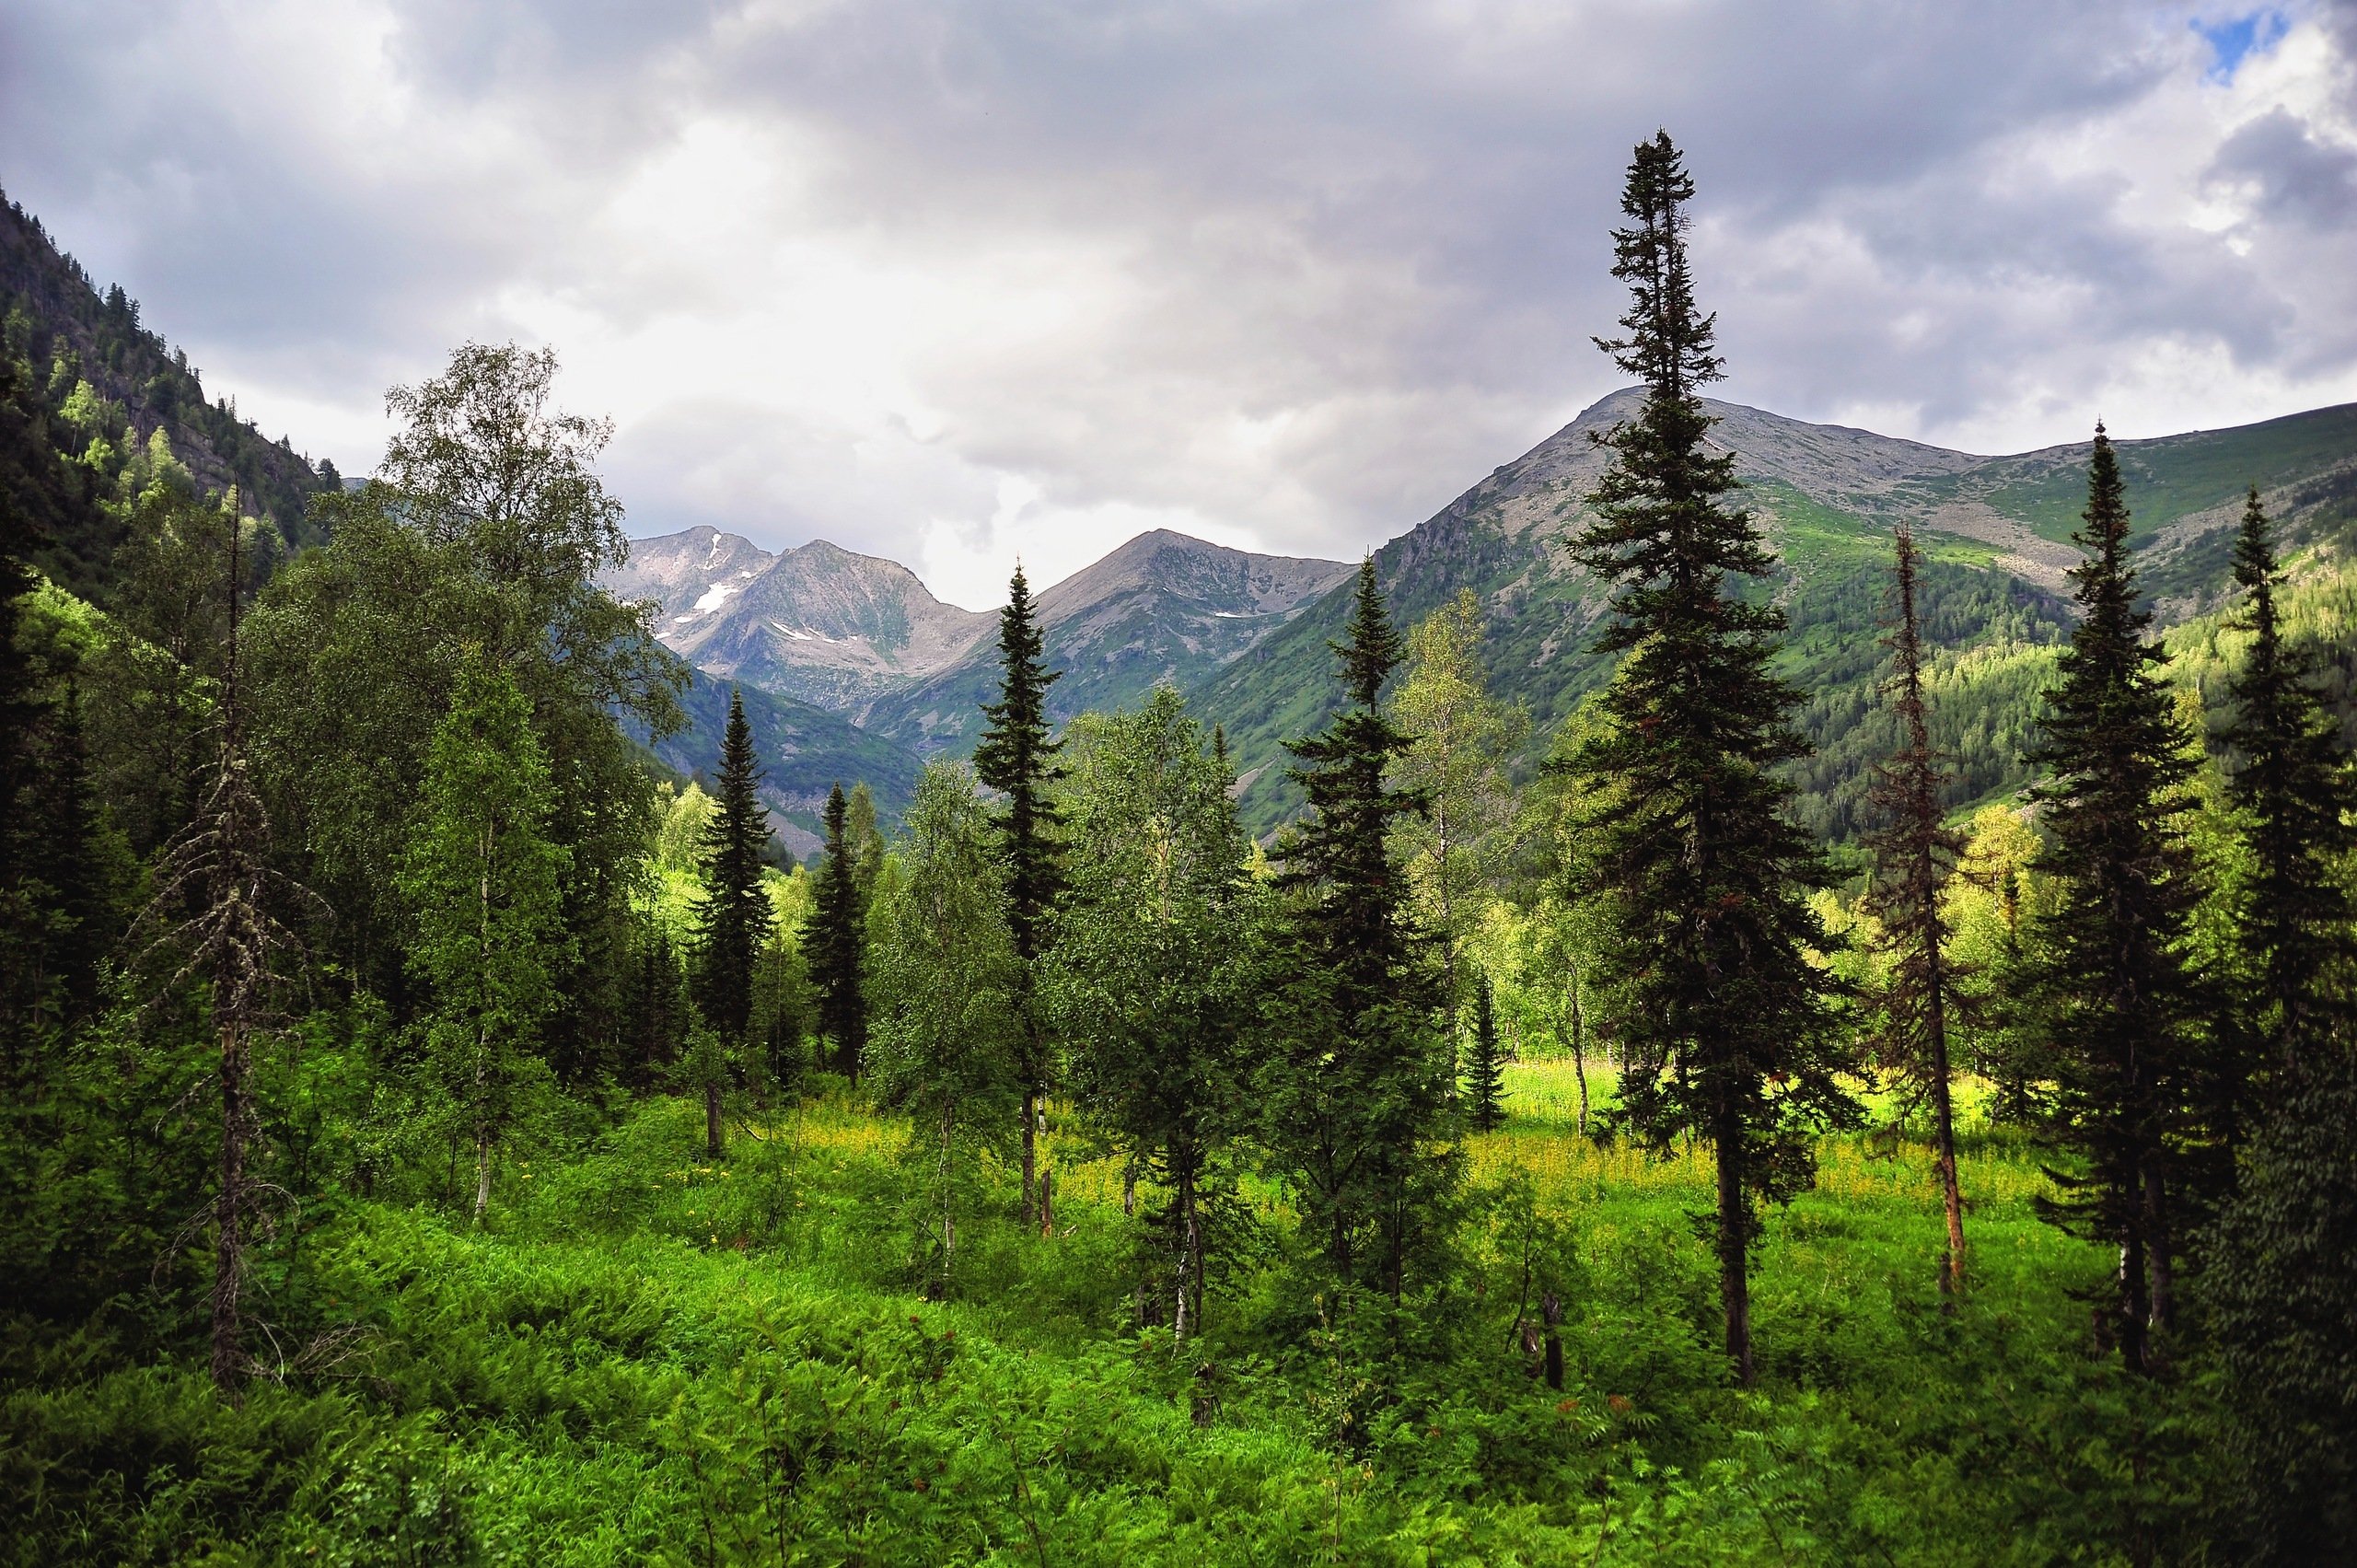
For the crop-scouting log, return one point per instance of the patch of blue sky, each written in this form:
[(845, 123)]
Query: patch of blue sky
[(2237, 39)]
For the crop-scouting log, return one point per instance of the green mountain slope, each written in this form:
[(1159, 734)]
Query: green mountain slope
[(1996, 591), (1162, 608), (804, 751)]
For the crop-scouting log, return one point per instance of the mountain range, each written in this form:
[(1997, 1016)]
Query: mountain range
[(1246, 636), (852, 670)]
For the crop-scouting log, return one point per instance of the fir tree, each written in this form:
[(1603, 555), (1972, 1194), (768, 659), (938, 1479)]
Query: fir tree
[(1017, 757), (2280, 1302), (736, 915), (2115, 1001), (1727, 1026), (2295, 785), (1485, 1069), (835, 937), (656, 1013), (1356, 1097), (2276, 1285), (1915, 852)]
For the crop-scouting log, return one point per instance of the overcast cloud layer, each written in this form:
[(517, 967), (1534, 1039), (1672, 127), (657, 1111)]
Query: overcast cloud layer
[(951, 281)]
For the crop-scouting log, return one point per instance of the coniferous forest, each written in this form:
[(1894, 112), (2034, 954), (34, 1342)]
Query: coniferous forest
[(441, 1131)]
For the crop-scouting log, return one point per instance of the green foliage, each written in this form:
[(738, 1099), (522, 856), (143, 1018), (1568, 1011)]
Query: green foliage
[(1153, 977), (1485, 1067), (651, 1358), (87, 396), (1726, 1029), (1356, 1086), (1016, 758), (2277, 1290), (1461, 739), (1450, 1323), (736, 916), (2293, 783), (945, 1035), (835, 937), (2118, 1005), (435, 562), (486, 881)]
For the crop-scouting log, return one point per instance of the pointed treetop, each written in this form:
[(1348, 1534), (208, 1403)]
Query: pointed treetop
[(1669, 343), (2254, 553), (1373, 650)]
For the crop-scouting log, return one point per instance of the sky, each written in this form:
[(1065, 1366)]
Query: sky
[(968, 281)]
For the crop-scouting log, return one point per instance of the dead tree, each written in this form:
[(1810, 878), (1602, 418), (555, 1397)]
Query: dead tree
[(211, 921), (1915, 852)]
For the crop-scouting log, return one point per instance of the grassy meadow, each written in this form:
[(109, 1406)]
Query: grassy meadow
[(650, 1356)]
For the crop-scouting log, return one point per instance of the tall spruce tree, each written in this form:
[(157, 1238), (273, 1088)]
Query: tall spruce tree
[(1356, 1097), (1017, 757), (1485, 1067), (2295, 786), (2279, 1296), (835, 937), (1726, 1024), (736, 915), (2116, 1003), (1915, 852)]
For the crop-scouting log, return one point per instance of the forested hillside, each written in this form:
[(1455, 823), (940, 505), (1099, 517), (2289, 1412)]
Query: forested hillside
[(804, 751), (85, 392), (1555, 1046), (1995, 533)]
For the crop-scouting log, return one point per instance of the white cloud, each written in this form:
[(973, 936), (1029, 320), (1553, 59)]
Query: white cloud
[(964, 279)]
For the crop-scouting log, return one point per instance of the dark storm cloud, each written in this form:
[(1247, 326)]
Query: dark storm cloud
[(1303, 269), (2296, 174)]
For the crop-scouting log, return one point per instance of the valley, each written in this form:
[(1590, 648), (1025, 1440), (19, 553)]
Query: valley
[(1244, 636)]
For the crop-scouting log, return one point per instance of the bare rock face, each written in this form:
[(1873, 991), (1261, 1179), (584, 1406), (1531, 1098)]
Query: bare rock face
[(688, 576), (819, 624)]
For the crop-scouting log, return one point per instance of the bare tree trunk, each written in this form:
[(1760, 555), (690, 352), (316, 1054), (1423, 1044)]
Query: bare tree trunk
[(712, 1129), (1943, 1117), (1735, 1281), (483, 1170), (1550, 1309), (229, 1234), (1047, 1203), (1185, 1300), (1579, 1052), (948, 1228), (1030, 1152), (485, 843), (2160, 1254), (2135, 1305)]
